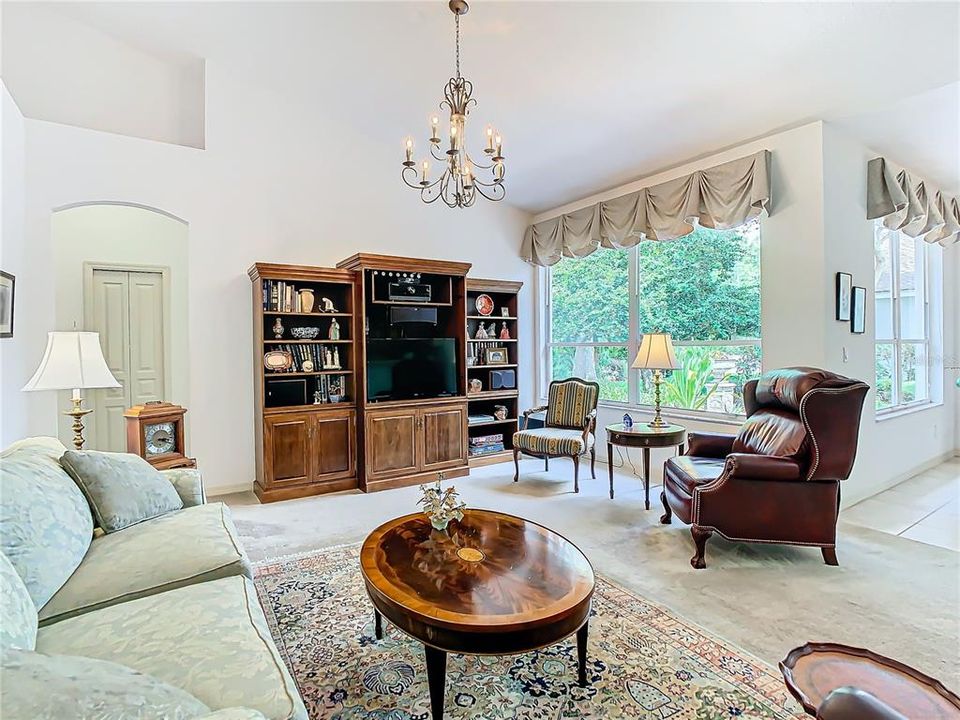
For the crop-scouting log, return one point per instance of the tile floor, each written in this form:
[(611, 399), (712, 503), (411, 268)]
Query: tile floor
[(925, 508)]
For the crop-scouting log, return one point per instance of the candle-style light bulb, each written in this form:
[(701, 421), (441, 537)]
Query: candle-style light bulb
[(499, 145), (434, 128), (409, 147), (453, 137), (490, 138), (426, 170)]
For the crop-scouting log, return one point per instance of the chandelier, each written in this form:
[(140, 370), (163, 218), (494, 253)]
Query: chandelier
[(458, 183)]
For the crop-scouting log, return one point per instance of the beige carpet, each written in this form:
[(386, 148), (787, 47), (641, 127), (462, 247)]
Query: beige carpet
[(896, 596)]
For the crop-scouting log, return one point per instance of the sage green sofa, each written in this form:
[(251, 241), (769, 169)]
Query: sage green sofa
[(158, 620)]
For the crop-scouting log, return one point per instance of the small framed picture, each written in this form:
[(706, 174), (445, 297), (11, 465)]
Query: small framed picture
[(505, 312), (496, 356), (859, 310), (844, 283), (7, 287)]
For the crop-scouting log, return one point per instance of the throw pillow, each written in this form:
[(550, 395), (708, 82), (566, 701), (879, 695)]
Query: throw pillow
[(123, 489), (18, 614), (53, 687)]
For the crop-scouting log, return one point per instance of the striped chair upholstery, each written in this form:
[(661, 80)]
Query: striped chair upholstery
[(552, 441), (569, 402)]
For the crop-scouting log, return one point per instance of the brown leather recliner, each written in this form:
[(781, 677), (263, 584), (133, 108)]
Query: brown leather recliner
[(778, 480)]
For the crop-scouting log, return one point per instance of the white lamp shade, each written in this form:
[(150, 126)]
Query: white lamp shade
[(656, 353), (72, 360)]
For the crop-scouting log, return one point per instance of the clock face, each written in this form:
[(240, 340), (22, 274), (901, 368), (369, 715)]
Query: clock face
[(161, 438)]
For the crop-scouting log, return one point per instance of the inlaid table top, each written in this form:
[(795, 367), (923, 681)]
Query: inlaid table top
[(815, 670), (490, 572), (669, 434)]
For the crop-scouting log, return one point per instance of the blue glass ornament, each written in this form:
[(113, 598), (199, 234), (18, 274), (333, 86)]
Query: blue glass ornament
[(627, 420)]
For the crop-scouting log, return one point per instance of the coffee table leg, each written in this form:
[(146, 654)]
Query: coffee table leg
[(436, 679), (582, 655), (646, 476), (377, 624), (610, 466)]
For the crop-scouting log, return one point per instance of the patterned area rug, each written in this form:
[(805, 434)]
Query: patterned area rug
[(643, 662)]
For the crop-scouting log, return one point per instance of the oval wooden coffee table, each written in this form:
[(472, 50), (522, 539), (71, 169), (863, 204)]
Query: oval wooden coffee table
[(492, 584)]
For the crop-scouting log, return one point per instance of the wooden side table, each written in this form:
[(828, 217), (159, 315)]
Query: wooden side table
[(641, 435), (815, 670)]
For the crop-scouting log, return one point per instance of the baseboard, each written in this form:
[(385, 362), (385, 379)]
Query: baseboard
[(897, 479), (229, 489)]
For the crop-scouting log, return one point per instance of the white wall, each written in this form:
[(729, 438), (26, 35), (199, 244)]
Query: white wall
[(276, 183), (21, 414), (128, 237), (817, 226), (64, 70)]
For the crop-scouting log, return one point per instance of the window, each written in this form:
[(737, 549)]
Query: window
[(703, 289), (903, 319)]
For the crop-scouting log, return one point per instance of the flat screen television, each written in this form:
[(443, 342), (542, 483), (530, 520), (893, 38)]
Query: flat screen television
[(408, 368)]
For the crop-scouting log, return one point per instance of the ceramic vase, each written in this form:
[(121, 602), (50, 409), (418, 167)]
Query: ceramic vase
[(306, 300), (278, 329)]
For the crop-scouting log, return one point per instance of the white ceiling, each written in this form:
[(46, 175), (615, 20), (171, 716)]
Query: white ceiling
[(590, 95)]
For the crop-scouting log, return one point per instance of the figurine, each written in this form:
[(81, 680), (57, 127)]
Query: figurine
[(336, 358), (481, 332), (500, 412), (334, 333), (627, 421), (504, 332), (278, 329), (327, 359), (326, 305), (317, 397)]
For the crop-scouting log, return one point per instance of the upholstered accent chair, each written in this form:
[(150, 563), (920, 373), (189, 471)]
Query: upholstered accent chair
[(568, 430), (778, 479)]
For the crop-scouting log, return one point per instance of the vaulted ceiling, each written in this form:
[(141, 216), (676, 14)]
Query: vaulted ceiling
[(588, 95)]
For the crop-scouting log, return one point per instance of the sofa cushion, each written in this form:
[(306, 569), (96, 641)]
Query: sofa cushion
[(18, 614), (552, 441), (772, 432), (182, 548), (123, 489), (685, 472), (45, 522), (54, 687), (210, 639)]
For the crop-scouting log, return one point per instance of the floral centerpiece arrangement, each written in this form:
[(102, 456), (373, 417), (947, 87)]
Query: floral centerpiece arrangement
[(441, 506)]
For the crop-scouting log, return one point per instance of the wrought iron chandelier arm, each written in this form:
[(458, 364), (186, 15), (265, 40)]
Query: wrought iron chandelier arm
[(497, 191)]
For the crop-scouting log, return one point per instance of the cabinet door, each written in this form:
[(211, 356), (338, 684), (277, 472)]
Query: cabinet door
[(444, 436), (287, 456), (333, 453), (391, 443)]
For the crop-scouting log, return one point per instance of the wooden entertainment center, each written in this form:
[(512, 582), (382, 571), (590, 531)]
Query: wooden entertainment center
[(366, 383)]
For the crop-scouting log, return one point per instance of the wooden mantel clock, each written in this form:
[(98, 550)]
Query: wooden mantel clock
[(155, 433)]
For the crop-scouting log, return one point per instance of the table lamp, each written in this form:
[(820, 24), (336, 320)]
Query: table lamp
[(656, 353), (73, 361)]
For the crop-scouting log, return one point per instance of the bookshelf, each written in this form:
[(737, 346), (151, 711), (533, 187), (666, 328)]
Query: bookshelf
[(304, 414), (482, 426)]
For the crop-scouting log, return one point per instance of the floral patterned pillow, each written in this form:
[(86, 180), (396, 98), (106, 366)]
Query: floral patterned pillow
[(123, 489)]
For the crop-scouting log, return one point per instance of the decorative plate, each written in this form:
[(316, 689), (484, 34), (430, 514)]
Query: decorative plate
[(484, 304), (278, 360)]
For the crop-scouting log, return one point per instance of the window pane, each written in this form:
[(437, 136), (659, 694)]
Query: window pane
[(604, 365), (912, 305), (883, 283), (913, 369), (590, 298), (885, 371), (704, 286), (711, 378)]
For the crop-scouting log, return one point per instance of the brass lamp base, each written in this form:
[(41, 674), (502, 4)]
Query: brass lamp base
[(657, 422), (77, 412)]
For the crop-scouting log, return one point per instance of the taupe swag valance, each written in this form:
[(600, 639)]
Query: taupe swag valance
[(720, 197), (910, 205)]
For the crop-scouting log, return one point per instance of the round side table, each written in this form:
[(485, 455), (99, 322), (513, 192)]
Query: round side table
[(641, 435)]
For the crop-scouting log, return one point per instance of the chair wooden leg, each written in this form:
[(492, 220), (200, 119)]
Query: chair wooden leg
[(667, 512), (516, 464), (700, 537), (546, 463), (593, 462), (576, 473), (829, 555)]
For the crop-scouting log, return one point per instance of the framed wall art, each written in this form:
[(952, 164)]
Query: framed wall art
[(844, 285), (7, 288), (496, 356), (858, 323)]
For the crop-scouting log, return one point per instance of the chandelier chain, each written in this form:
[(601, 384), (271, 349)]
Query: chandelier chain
[(457, 16)]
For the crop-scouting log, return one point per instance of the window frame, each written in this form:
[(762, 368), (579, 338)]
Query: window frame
[(545, 345), (930, 332)]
